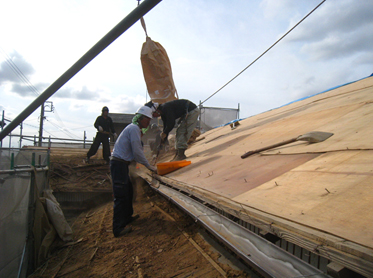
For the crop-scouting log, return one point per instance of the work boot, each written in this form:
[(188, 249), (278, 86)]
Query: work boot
[(123, 232), (180, 155), (133, 218)]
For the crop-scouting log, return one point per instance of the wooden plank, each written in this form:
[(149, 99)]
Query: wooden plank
[(231, 176), (322, 204), (327, 193), (353, 256)]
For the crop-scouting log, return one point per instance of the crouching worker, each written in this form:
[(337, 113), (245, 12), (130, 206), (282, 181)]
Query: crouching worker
[(127, 148), (187, 113)]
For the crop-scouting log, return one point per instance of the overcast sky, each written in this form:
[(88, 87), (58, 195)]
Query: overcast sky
[(208, 43)]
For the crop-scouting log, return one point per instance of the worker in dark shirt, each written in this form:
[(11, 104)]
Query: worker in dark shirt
[(187, 113), (104, 126)]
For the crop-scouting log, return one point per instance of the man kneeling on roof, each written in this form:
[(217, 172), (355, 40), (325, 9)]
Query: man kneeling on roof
[(127, 148), (187, 113)]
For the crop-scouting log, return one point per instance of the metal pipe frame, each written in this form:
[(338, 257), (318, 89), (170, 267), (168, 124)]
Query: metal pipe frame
[(25, 137), (28, 170), (118, 30)]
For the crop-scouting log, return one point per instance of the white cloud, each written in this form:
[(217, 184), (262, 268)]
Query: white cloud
[(274, 9), (208, 43), (338, 30)]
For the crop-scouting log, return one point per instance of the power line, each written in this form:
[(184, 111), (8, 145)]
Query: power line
[(60, 121), (19, 73), (265, 51), (25, 124), (49, 133), (68, 133), (24, 79), (81, 127)]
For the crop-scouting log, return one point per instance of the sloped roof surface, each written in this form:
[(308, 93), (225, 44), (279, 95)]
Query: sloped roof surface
[(326, 186)]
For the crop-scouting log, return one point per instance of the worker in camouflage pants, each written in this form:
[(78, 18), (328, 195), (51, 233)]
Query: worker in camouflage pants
[(187, 113)]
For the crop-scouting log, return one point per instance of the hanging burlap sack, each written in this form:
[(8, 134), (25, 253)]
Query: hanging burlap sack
[(157, 71)]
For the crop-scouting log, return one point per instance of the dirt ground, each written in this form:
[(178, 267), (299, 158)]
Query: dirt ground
[(163, 242)]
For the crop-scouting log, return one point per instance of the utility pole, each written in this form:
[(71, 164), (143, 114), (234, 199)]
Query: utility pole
[(85, 137), (20, 137), (41, 125), (42, 117), (2, 127)]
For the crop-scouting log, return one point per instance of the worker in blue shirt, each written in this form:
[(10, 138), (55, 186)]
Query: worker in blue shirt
[(127, 148)]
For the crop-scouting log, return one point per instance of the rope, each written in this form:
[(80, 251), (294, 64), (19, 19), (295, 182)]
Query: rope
[(265, 51), (142, 21)]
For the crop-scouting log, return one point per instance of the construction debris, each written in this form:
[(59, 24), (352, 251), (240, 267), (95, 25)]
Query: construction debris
[(165, 250)]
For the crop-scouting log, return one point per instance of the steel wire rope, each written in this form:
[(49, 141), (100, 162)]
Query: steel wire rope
[(283, 36)]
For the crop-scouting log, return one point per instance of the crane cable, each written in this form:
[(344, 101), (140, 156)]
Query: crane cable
[(265, 51)]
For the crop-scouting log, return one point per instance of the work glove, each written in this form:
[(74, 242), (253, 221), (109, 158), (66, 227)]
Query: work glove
[(115, 136), (163, 136), (100, 128)]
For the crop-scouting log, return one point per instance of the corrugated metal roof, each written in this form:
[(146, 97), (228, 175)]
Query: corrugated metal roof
[(119, 118)]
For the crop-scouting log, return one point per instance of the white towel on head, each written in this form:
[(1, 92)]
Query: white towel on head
[(155, 106)]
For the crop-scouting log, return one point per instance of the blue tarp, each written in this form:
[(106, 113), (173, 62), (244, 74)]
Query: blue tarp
[(325, 91), (301, 99)]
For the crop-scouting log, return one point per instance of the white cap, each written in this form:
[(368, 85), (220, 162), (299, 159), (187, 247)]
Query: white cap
[(146, 111)]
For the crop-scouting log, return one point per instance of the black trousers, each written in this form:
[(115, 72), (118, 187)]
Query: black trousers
[(123, 194), (100, 138)]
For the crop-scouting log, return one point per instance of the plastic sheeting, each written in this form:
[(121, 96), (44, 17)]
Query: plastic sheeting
[(212, 117), (16, 197), (14, 201)]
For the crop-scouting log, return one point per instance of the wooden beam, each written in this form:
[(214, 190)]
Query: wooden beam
[(338, 271)]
